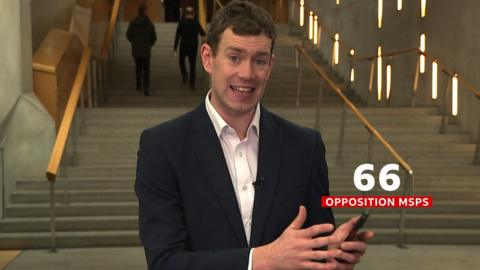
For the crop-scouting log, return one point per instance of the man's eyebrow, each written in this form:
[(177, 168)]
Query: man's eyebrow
[(240, 50)]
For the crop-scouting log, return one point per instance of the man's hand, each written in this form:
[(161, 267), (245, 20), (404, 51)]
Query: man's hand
[(352, 250), (294, 248)]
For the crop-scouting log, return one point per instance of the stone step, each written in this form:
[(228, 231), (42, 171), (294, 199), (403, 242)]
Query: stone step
[(88, 183), (128, 195), (121, 223), (70, 239), (131, 208)]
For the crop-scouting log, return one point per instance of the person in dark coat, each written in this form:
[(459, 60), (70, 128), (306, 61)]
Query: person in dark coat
[(172, 10), (141, 34), (187, 34)]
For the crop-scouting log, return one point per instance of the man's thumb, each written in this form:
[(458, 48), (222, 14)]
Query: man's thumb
[(297, 223)]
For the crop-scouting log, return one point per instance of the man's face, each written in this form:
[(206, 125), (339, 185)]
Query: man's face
[(239, 71)]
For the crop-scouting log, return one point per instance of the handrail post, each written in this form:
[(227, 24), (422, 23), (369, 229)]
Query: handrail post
[(95, 83), (299, 82), (415, 81), (443, 127), (342, 135), (370, 80), (401, 230), (319, 103), (90, 84), (476, 157), (53, 237), (82, 105), (4, 201), (370, 148)]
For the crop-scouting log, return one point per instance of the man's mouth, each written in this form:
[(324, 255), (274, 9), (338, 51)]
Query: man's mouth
[(242, 89)]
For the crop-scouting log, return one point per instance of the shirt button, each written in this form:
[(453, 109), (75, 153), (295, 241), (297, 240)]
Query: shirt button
[(240, 154), (244, 187), (249, 223)]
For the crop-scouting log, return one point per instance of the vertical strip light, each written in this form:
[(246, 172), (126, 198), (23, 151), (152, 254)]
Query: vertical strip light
[(319, 35), (455, 95), (423, 8), (336, 48), (434, 80), (352, 69), (302, 13), (380, 13), (422, 56), (399, 5), (389, 80), (310, 25), (379, 73), (315, 30)]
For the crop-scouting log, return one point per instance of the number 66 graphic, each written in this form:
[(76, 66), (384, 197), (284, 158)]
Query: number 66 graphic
[(365, 181)]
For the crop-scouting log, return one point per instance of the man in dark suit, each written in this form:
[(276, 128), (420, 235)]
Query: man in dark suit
[(227, 186), (187, 35), (142, 35)]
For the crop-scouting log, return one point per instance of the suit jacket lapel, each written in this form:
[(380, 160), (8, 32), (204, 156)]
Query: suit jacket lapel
[(269, 157), (210, 154)]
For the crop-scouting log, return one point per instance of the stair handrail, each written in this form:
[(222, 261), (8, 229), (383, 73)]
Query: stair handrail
[(62, 135), (67, 119), (109, 34), (409, 186), (386, 54), (2, 156), (446, 70)]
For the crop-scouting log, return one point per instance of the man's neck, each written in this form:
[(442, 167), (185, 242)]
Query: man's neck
[(239, 122)]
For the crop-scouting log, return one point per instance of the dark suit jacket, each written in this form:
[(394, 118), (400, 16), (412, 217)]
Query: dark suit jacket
[(187, 33), (141, 33), (188, 212)]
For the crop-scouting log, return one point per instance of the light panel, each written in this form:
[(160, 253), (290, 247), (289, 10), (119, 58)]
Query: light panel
[(379, 73), (434, 80), (380, 13), (422, 56), (389, 80), (302, 13), (336, 48), (455, 95), (310, 25)]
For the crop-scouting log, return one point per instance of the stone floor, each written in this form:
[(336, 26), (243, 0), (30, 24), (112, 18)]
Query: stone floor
[(383, 257)]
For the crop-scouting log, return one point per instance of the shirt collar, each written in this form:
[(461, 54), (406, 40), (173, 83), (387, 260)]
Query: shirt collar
[(219, 124)]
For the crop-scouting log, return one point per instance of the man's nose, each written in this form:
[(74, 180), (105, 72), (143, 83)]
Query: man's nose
[(247, 71)]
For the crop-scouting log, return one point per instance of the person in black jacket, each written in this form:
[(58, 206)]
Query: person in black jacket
[(187, 33), (141, 33)]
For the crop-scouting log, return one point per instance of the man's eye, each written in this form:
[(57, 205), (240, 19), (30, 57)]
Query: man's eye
[(260, 62), (234, 58)]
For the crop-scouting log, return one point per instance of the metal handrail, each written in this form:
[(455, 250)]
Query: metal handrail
[(390, 54), (2, 156), (409, 186), (109, 34), (62, 136)]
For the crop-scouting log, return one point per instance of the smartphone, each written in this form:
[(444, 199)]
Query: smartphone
[(363, 218)]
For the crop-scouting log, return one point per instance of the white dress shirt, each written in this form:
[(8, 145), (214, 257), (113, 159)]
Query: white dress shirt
[(241, 157)]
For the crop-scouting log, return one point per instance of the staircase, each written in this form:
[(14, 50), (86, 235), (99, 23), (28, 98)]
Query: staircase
[(100, 208)]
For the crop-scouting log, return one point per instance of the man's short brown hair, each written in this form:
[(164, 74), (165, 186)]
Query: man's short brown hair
[(244, 18)]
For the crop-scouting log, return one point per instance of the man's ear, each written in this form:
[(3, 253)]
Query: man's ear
[(271, 63), (206, 53)]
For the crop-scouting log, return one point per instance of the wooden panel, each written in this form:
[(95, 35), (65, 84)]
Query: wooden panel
[(130, 10), (51, 50), (277, 8), (55, 64)]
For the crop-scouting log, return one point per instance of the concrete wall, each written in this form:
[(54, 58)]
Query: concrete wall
[(48, 14), (29, 129), (450, 27)]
